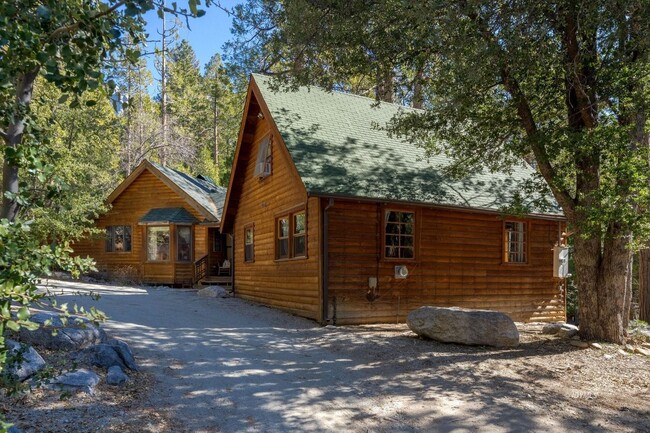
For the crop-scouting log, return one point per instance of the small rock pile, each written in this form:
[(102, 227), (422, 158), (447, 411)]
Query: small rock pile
[(88, 345)]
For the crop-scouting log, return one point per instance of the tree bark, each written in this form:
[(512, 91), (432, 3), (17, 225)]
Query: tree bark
[(13, 138), (644, 285), (602, 274)]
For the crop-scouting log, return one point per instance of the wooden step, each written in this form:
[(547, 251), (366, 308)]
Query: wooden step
[(216, 281)]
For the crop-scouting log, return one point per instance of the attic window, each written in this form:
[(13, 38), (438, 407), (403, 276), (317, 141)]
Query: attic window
[(263, 163)]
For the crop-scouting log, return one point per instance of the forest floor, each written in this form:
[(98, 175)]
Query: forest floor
[(226, 365)]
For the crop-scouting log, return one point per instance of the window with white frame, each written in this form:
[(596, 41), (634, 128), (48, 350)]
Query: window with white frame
[(515, 242), (399, 234)]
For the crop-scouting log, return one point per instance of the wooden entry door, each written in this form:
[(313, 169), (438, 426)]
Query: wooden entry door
[(218, 250)]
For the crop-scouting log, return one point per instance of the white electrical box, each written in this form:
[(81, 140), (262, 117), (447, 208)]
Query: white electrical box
[(401, 272), (560, 261)]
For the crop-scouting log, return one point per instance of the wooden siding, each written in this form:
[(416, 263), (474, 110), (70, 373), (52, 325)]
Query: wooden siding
[(145, 193), (459, 262), (291, 284)]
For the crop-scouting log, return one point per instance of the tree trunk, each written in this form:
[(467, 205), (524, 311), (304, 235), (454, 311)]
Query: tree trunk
[(418, 90), (215, 120), (602, 274), (163, 99), (644, 285), (24, 92)]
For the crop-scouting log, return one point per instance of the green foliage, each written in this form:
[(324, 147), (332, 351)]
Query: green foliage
[(68, 44)]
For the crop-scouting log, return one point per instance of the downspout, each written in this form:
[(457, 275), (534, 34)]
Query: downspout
[(232, 260), (325, 243)]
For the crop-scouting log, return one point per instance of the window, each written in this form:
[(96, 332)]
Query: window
[(183, 243), (157, 243), (249, 245), (299, 235), (263, 163), (118, 239), (515, 242), (283, 238), (399, 229), (291, 233)]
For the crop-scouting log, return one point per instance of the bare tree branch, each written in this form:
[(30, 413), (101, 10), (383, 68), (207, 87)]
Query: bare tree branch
[(3, 134)]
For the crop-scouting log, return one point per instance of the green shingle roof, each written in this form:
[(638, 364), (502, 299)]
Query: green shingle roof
[(338, 150), (210, 196), (167, 215)]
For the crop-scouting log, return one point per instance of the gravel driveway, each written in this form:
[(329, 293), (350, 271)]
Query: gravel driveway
[(225, 365)]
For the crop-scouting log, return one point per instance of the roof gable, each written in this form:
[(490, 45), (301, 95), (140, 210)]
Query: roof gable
[(204, 196), (337, 150)]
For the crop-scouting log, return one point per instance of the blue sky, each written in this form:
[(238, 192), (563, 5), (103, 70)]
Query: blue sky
[(206, 34)]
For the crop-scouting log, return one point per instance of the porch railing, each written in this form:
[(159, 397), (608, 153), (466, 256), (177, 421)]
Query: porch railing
[(201, 268)]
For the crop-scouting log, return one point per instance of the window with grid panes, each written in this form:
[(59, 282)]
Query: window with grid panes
[(515, 242), (399, 234)]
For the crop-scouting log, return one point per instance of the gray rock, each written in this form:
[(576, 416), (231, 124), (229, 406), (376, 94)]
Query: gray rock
[(26, 361), (551, 328), (567, 331), (579, 343), (13, 429), (464, 326), (116, 376), (100, 355), (125, 353), (79, 380), (78, 333), (214, 292)]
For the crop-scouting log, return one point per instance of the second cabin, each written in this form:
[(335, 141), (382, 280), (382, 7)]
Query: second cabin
[(338, 222)]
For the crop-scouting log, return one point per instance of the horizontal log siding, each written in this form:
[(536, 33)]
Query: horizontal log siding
[(458, 263), (146, 192), (293, 284)]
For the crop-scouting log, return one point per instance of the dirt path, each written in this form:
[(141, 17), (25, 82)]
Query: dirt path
[(224, 365)]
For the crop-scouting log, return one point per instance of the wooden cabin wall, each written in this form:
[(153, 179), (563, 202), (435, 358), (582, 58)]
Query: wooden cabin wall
[(459, 262), (145, 193), (291, 284)]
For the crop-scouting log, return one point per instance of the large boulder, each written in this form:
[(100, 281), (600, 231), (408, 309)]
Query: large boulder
[(79, 380), (464, 326), (24, 361), (53, 333)]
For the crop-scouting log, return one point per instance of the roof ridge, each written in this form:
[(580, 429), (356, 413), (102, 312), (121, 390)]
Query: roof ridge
[(373, 101)]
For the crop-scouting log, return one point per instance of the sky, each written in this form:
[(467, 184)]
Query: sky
[(206, 34)]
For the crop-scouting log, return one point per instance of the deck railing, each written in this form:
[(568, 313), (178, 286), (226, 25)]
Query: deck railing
[(201, 268)]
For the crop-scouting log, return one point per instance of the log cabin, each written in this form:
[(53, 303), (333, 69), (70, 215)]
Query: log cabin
[(336, 221), (162, 228)]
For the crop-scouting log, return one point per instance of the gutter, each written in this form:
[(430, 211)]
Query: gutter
[(325, 243)]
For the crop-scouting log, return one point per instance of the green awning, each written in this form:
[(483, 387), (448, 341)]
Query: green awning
[(168, 215)]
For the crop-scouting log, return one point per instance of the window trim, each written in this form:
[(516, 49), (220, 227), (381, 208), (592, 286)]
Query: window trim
[(176, 232), (250, 227), (112, 238), (290, 216), (382, 229), (169, 258), (526, 243)]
